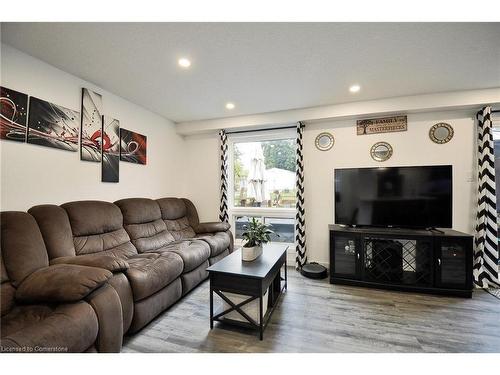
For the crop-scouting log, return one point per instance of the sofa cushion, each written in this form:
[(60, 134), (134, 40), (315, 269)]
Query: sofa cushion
[(180, 228), (218, 242), (143, 222), (212, 227), (98, 228), (93, 217), (116, 243), (106, 262), (150, 272), (193, 252), (70, 327), (172, 208), (23, 249), (139, 210), (61, 283), (174, 214), (56, 229), (149, 236)]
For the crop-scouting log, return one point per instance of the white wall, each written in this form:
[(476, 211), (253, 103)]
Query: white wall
[(32, 174), (203, 184), (412, 147)]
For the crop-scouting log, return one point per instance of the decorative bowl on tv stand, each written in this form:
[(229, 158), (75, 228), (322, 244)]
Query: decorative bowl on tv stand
[(251, 253)]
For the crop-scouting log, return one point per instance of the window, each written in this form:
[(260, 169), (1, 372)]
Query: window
[(262, 181), (264, 173)]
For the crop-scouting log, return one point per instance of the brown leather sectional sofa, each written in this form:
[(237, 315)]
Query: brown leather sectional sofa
[(79, 276)]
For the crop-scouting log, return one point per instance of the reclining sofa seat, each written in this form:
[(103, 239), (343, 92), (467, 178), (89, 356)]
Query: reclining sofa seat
[(57, 233), (52, 308), (216, 234), (150, 234), (152, 279)]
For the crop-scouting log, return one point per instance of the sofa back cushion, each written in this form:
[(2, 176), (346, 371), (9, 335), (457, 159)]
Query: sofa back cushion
[(97, 227), (175, 216), (22, 252), (143, 222), (7, 291), (22, 247), (54, 224)]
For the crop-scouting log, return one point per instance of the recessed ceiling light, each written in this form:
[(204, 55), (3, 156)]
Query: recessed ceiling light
[(354, 88), (229, 105), (184, 63)]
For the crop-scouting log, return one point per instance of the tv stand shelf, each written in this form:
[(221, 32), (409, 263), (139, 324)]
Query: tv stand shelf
[(428, 261)]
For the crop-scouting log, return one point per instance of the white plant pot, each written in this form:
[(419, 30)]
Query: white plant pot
[(250, 253)]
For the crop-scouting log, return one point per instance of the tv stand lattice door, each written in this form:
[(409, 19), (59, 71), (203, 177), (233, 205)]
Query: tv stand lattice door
[(417, 260)]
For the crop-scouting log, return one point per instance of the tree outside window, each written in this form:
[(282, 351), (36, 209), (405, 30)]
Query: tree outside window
[(264, 174)]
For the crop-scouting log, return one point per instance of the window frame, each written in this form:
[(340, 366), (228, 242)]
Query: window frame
[(262, 212)]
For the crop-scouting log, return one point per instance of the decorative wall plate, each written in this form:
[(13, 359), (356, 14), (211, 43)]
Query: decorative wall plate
[(324, 141), (381, 151), (441, 133)]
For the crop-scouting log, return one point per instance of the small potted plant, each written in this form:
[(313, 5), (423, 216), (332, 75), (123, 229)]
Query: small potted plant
[(256, 234)]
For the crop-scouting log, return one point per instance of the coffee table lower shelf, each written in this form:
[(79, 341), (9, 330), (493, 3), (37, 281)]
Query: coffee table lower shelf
[(250, 323)]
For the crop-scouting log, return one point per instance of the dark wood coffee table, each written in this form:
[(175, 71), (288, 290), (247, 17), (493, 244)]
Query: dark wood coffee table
[(251, 279)]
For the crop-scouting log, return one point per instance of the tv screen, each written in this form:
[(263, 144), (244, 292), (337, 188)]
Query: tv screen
[(410, 197)]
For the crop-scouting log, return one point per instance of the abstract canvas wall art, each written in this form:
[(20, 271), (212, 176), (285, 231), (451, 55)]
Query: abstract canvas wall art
[(13, 114), (133, 147), (90, 149), (110, 166), (52, 125)]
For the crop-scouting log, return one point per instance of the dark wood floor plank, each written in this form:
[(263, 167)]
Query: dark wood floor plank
[(315, 316)]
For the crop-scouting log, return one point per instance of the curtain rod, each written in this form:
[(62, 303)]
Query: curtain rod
[(261, 130)]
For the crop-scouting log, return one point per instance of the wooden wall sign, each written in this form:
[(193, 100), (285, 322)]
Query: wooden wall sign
[(382, 125)]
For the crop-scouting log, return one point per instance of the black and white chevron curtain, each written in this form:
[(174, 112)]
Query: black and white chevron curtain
[(300, 221), (223, 216), (486, 236)]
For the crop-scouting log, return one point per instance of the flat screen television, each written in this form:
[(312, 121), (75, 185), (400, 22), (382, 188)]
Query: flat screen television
[(407, 197)]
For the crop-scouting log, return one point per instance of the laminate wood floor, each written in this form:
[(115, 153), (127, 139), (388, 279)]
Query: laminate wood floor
[(315, 316)]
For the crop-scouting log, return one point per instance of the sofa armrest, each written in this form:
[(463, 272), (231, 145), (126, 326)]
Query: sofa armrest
[(212, 227), (107, 262), (107, 306), (61, 283)]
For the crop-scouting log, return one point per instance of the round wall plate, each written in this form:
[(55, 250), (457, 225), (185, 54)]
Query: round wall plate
[(441, 133), (381, 151), (324, 141)]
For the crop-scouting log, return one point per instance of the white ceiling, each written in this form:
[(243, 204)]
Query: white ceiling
[(265, 67)]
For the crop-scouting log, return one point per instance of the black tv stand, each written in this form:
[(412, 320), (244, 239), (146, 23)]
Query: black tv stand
[(429, 260), (435, 230)]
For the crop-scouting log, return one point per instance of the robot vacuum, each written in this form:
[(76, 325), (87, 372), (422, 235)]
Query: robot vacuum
[(314, 271)]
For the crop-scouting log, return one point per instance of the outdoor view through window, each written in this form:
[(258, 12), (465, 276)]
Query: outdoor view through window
[(264, 177), (264, 174)]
